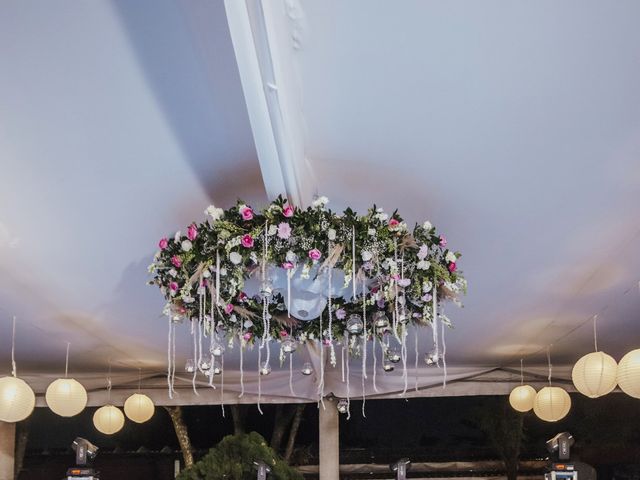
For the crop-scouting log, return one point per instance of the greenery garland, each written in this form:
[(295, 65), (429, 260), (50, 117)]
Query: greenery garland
[(212, 261)]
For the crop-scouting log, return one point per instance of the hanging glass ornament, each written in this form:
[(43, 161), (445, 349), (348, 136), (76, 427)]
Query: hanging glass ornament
[(265, 368), (432, 358), (307, 369), (393, 355), (354, 324), (387, 366), (380, 320), (289, 345), (343, 405), (216, 368), (217, 349), (190, 366), (205, 364)]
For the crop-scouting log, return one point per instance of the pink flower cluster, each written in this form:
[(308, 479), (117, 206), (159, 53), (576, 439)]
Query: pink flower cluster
[(246, 213)]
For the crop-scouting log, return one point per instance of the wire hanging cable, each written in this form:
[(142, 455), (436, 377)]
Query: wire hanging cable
[(595, 332), (14, 371)]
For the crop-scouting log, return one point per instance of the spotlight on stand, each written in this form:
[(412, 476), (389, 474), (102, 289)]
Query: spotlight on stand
[(85, 453), (401, 467), (262, 469), (561, 444)]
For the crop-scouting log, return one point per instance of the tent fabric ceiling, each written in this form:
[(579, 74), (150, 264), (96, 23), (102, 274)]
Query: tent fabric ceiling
[(515, 130)]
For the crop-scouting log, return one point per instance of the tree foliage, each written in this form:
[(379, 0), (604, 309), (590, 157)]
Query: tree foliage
[(233, 457)]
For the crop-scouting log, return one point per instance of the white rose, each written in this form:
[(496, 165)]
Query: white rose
[(372, 232), (423, 265), (320, 202), (206, 274), (427, 286), (427, 225), (383, 217), (273, 229), (291, 257), (223, 271), (366, 255), (379, 209), (331, 234), (248, 324), (450, 257), (176, 237), (173, 272), (235, 258), (186, 245), (214, 213)]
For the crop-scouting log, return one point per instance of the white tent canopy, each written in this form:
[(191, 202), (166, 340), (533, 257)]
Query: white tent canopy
[(514, 128)]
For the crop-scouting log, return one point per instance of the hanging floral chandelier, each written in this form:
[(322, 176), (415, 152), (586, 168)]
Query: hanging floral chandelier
[(292, 275)]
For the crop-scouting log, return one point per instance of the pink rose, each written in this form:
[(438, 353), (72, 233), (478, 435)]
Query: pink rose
[(287, 266), (326, 341), (247, 241), (163, 243), (443, 241), (341, 314), (242, 297), (315, 254), (284, 230), (173, 286), (395, 276), (452, 267), (192, 232), (176, 261), (283, 333), (246, 213), (287, 211), (393, 223), (228, 309), (247, 336)]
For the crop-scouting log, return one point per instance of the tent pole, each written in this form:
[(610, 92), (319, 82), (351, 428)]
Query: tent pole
[(7, 450), (329, 431)]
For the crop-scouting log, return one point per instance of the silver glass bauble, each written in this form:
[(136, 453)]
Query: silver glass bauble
[(307, 369), (354, 324), (289, 345)]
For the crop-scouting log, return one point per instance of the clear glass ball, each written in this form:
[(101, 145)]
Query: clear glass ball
[(393, 355), (307, 369), (190, 366), (265, 369), (380, 320), (289, 345), (354, 324), (217, 349), (343, 405)]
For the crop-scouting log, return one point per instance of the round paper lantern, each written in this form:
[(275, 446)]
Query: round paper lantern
[(521, 398), (139, 408), (108, 419), (17, 399), (594, 375), (552, 404), (66, 397), (629, 373)]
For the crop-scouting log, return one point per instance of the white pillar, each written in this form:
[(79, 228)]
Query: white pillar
[(329, 427), (7, 450)]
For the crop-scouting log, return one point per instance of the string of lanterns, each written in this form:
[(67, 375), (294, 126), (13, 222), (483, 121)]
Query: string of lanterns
[(67, 397), (594, 375)]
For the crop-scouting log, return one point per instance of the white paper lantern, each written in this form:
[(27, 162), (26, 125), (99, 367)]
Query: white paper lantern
[(66, 397), (17, 399), (521, 398), (139, 408), (594, 375), (108, 419), (629, 373), (552, 404)]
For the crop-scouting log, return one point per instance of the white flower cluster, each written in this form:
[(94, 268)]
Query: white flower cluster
[(214, 212), (319, 202)]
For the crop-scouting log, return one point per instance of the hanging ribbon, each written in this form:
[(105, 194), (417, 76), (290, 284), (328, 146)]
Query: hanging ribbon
[(221, 384), (375, 360), (293, 394), (403, 355), (417, 352), (241, 340), (195, 356), (169, 363), (444, 359), (365, 333), (346, 339)]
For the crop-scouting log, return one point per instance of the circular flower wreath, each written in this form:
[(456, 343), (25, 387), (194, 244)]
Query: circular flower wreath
[(203, 274)]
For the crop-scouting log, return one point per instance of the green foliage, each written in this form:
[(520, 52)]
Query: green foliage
[(233, 457)]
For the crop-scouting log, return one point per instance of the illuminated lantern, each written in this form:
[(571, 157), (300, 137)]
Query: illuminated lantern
[(66, 397), (17, 399), (629, 373), (552, 404), (108, 419), (139, 408), (594, 375), (521, 398)]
